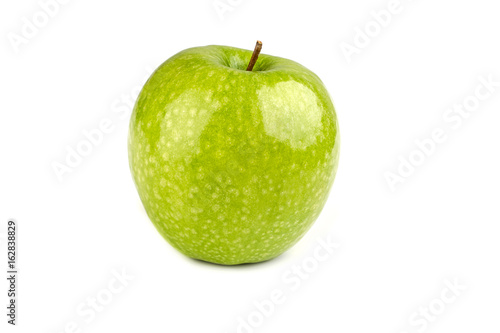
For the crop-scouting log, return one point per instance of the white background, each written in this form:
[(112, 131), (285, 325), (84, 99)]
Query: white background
[(397, 248)]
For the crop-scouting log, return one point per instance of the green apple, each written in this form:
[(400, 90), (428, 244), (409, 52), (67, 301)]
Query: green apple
[(233, 165)]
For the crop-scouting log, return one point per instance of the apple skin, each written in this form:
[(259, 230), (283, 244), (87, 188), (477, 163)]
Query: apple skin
[(233, 166)]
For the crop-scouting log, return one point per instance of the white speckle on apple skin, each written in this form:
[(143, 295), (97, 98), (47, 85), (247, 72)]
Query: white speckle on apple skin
[(233, 166)]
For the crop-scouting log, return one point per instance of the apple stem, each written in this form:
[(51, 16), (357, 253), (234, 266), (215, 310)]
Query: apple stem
[(255, 55)]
